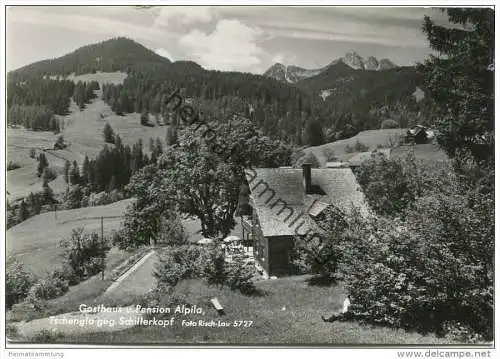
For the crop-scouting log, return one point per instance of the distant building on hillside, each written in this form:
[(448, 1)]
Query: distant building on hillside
[(419, 135), (287, 202)]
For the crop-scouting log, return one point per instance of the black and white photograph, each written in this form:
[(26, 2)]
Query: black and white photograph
[(269, 175)]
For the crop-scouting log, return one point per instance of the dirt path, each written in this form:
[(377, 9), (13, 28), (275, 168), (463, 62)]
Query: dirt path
[(131, 280), (138, 280)]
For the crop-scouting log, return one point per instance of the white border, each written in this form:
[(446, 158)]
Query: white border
[(187, 351)]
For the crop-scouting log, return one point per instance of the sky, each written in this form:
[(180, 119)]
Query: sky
[(226, 38)]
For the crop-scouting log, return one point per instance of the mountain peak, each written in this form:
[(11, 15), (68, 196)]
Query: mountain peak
[(353, 60), (115, 54)]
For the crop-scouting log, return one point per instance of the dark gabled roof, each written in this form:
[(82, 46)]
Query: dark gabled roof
[(282, 206)]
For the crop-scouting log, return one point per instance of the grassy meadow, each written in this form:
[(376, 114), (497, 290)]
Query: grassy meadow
[(286, 311), (35, 242)]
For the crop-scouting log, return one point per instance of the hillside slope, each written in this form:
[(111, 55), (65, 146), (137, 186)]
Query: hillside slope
[(35, 242), (119, 54), (83, 132), (374, 138), (343, 88)]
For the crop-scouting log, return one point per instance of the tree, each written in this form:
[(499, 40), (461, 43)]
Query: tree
[(49, 174), (67, 168), (73, 197), (171, 136), (144, 217), (199, 177), (461, 82), (109, 134), (204, 171), (47, 194), (145, 118), (159, 146), (23, 212), (86, 170), (75, 173), (42, 163), (59, 145), (314, 133)]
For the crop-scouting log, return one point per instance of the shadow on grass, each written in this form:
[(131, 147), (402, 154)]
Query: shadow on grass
[(255, 292), (322, 281)]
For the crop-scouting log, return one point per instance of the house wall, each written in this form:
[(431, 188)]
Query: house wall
[(280, 248), (260, 243), (261, 249)]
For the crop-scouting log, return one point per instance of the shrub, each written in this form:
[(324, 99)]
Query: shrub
[(13, 166), (296, 155), (85, 201), (17, 282), (84, 253), (72, 199), (309, 157), (357, 147), (239, 273), (391, 185), (100, 199), (329, 154), (42, 164), (68, 273), (214, 269), (11, 332), (433, 269), (145, 119), (385, 185), (389, 123), (49, 288), (177, 264), (348, 149), (321, 254), (47, 336), (115, 196), (60, 144), (191, 262)]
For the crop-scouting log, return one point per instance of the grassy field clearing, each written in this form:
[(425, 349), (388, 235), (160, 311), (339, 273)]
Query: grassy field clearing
[(374, 138), (82, 131), (371, 138), (115, 78), (286, 312), (35, 242)]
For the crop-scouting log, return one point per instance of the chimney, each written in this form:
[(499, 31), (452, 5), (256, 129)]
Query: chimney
[(306, 177)]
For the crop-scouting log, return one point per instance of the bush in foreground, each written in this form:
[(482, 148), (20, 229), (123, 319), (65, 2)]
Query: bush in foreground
[(179, 263), (192, 262), (17, 282), (431, 272), (84, 253)]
